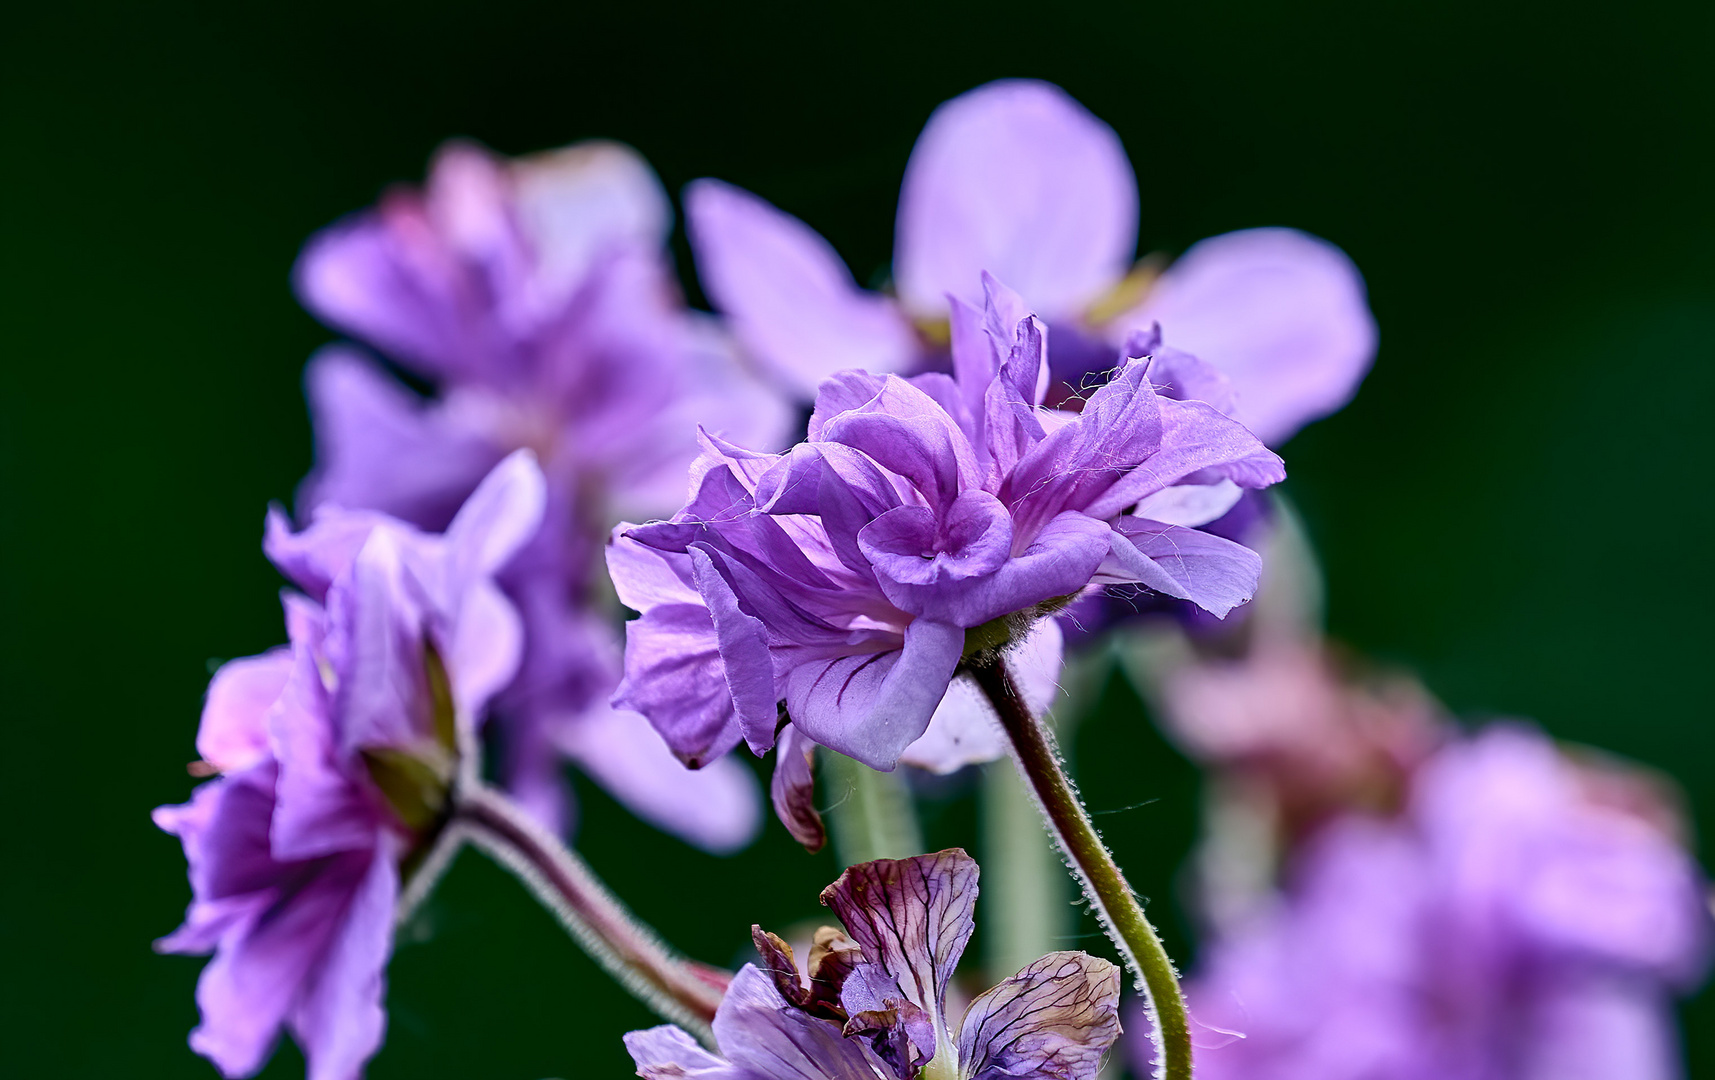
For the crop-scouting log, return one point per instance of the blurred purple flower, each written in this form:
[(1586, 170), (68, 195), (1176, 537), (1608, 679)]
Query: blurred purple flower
[(336, 754), (924, 520), (538, 298), (1527, 917), (874, 1004), (1017, 179)]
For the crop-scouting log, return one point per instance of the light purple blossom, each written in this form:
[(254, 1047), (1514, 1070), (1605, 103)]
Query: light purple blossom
[(537, 296), (873, 1004), (335, 754), (1017, 179), (924, 519), (1525, 919)]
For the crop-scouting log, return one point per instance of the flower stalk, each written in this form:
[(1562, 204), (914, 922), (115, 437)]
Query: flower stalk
[(678, 989), (1115, 904), (872, 814)]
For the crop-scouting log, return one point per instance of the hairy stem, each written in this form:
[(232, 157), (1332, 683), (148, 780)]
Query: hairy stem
[(678, 989), (873, 815), (1115, 904)]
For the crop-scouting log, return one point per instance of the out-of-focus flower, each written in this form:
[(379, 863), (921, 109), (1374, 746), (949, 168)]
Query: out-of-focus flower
[(1526, 917), (337, 754), (874, 1004), (925, 520), (537, 297), (1017, 179)]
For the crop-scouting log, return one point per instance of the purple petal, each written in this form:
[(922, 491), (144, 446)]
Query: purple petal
[(911, 547), (234, 730), (716, 808), (668, 1053), (1018, 179), (313, 557), (1198, 445), (907, 432), (793, 789), (339, 1020), (380, 447), (1060, 561), (747, 663), (1211, 571), (872, 706), (912, 918), (964, 730), (674, 676), (760, 1034), (1282, 313), (790, 299), (578, 203), (1055, 1020)]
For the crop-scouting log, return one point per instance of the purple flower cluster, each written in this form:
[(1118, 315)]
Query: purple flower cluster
[(335, 756), (1528, 916), (874, 1004), (923, 520), (538, 297)]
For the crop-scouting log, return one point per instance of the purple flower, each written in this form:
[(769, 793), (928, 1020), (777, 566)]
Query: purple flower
[(1527, 917), (537, 297), (925, 520), (336, 754), (874, 1004), (1017, 179)]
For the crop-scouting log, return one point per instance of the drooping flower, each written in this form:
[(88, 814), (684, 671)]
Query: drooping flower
[(336, 754), (1529, 916), (537, 297), (1017, 179), (873, 1005), (924, 520)]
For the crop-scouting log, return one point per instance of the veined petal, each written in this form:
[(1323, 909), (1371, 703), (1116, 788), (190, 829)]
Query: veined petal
[(965, 731), (790, 299), (793, 788), (1018, 179), (761, 1034), (1054, 1020), (871, 706), (745, 660), (912, 918), (1198, 445)]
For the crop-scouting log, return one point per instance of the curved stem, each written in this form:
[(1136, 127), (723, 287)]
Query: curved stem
[(873, 815), (1115, 904), (680, 990)]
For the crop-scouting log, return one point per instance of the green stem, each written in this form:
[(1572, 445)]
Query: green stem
[(1029, 910), (1114, 902), (872, 813), (680, 990)]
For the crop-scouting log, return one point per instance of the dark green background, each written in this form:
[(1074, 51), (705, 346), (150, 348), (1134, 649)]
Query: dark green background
[(1516, 504)]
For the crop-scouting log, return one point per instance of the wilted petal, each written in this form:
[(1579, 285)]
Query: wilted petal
[(793, 788), (872, 706), (901, 1034), (716, 807), (789, 297), (1210, 571), (1055, 1019), (912, 918), (1017, 179), (234, 730), (1282, 313), (760, 1033)]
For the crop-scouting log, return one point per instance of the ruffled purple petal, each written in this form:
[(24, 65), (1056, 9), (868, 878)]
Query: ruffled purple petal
[(1018, 179), (1198, 445), (233, 734), (790, 299), (339, 1020), (763, 1036), (1211, 571)]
